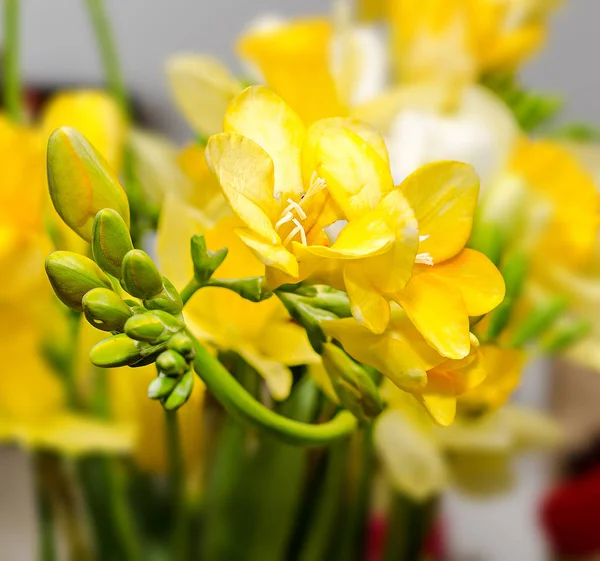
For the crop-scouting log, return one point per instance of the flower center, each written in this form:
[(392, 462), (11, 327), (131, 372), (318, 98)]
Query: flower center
[(294, 213)]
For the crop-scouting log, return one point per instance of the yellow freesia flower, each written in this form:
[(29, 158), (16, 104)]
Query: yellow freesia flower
[(453, 42), (474, 453), (261, 333), (406, 359), (320, 203)]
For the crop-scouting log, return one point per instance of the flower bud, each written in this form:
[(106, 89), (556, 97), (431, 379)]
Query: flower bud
[(168, 299), (181, 393), (182, 343), (105, 310), (171, 363), (118, 350), (161, 387), (355, 388), (140, 277), (81, 182), (111, 241), (72, 276), (153, 327), (205, 262), (250, 288)]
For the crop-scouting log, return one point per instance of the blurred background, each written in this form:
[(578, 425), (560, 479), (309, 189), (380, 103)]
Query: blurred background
[(58, 50)]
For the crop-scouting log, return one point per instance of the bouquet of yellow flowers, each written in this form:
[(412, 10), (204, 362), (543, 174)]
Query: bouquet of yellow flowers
[(313, 315)]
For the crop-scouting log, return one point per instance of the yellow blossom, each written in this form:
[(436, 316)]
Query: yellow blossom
[(406, 359), (320, 203), (261, 333)]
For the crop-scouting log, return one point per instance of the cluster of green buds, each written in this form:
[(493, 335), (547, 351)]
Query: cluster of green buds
[(120, 290)]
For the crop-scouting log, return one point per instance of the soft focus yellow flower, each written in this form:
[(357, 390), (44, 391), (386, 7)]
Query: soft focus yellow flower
[(294, 59), (320, 203), (261, 333), (404, 357), (453, 42), (474, 453), (33, 405)]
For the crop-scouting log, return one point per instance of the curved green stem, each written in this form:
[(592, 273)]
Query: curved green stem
[(12, 76), (176, 469), (109, 55), (238, 402), (189, 290)]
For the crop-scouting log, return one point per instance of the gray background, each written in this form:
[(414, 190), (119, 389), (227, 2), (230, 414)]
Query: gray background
[(58, 48)]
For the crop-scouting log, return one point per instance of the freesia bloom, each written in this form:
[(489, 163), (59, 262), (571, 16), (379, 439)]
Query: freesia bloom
[(261, 333), (406, 359), (319, 203), (476, 452)]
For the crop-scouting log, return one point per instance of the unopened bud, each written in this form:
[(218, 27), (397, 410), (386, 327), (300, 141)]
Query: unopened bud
[(105, 310), (171, 363), (140, 277), (355, 388), (168, 299), (161, 387), (81, 182), (183, 344), (251, 288), (72, 276), (205, 262), (111, 241), (154, 326), (118, 350), (181, 393)]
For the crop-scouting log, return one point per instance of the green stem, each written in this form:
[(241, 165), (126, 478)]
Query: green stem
[(409, 526), (177, 477), (190, 289), (238, 402), (47, 543), (12, 76), (109, 55)]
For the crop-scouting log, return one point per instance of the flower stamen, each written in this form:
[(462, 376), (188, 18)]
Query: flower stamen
[(424, 259)]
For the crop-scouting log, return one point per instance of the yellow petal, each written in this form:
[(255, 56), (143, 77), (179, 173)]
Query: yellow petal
[(202, 88), (368, 306), (411, 460), (440, 405), (245, 172), (443, 196), (95, 115), (476, 278), (294, 60), (400, 353), (356, 175), (272, 255), (438, 312), (262, 116), (320, 376), (285, 341), (277, 376)]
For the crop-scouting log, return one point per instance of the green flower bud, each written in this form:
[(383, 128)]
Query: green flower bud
[(140, 277), (205, 262), (111, 241), (168, 299), (154, 326), (171, 363), (183, 344), (105, 310), (161, 387), (81, 182), (355, 388), (181, 393), (72, 276), (118, 350)]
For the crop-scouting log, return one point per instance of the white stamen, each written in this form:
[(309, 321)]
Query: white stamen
[(316, 184), (297, 207), (423, 238), (301, 230), (284, 219), (291, 235), (424, 259)]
